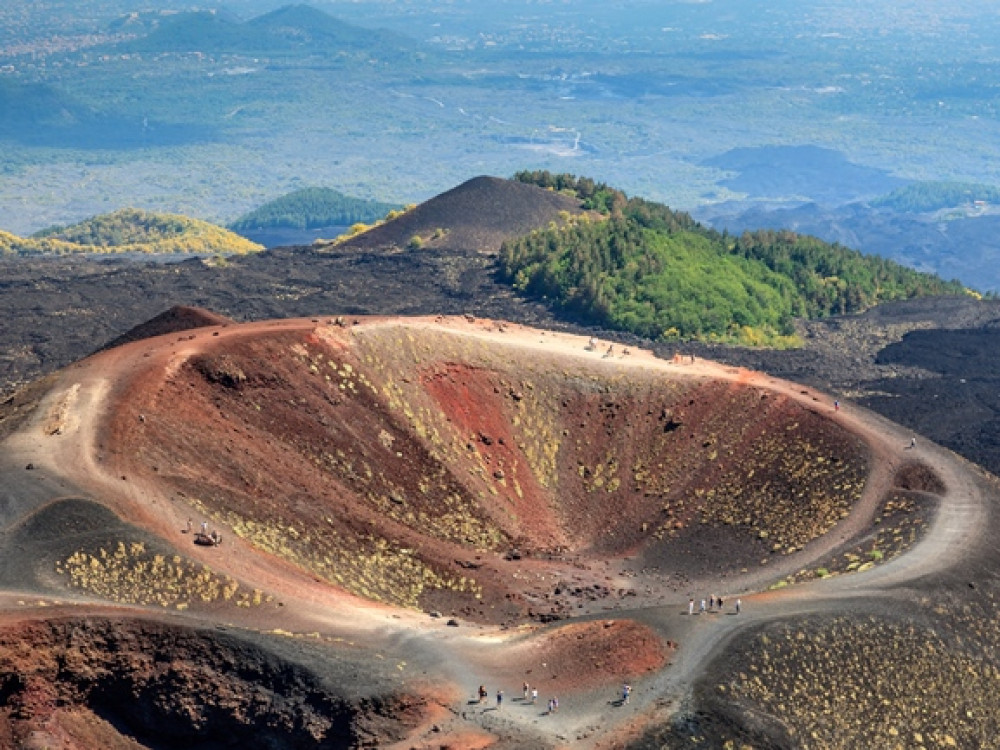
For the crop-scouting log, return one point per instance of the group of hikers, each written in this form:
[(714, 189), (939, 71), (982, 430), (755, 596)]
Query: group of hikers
[(528, 695), (715, 604), (205, 537), (593, 343)]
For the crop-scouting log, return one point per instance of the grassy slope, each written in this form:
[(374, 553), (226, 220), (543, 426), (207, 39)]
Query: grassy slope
[(130, 230)]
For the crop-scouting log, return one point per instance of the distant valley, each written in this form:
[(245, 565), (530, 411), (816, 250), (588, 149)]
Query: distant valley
[(719, 113)]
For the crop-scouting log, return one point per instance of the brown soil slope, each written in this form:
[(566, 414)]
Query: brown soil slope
[(478, 215)]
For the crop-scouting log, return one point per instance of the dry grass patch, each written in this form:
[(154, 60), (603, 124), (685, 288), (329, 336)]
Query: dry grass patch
[(130, 574), (847, 684)]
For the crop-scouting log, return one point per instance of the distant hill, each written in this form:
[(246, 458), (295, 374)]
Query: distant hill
[(42, 115), (312, 208), (801, 172), (130, 230), (478, 215), (294, 29), (655, 272)]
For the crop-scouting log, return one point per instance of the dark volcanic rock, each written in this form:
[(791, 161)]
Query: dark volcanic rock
[(58, 310), (478, 215), (169, 686)]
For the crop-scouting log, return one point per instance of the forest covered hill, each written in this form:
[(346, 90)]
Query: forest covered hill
[(638, 266), (313, 208)]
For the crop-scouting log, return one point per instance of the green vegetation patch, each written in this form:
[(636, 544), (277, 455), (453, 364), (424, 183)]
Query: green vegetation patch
[(640, 267), (131, 230), (312, 208), (922, 197)]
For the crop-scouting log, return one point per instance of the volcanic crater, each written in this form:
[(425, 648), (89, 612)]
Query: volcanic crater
[(422, 467), (374, 481)]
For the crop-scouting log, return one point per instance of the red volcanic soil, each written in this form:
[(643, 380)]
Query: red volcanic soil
[(587, 655), (177, 318), (103, 682), (388, 492), (420, 466)]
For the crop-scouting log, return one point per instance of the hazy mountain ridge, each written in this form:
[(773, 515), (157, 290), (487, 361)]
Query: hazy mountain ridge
[(292, 29), (789, 172)]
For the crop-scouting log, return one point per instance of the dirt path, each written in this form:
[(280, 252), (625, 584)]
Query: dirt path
[(63, 443)]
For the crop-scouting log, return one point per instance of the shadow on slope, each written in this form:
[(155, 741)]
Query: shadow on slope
[(95, 682)]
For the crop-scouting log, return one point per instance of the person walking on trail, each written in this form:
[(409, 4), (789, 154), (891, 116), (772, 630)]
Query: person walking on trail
[(690, 606), (836, 406), (701, 611), (739, 606), (499, 699), (534, 696), (524, 691), (482, 693), (913, 442), (626, 693)]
